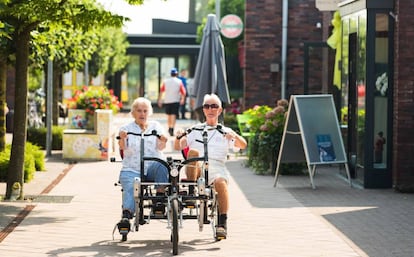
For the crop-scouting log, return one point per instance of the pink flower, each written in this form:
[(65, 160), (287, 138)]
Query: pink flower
[(269, 115), (279, 110), (264, 128), (283, 102)]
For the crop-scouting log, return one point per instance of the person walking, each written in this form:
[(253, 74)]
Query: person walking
[(172, 95), (183, 77), (218, 145)]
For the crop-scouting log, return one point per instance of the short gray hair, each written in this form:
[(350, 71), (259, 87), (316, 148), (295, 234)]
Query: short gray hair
[(212, 97), (142, 100)]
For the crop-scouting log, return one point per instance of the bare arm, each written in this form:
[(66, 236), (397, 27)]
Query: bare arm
[(239, 141)]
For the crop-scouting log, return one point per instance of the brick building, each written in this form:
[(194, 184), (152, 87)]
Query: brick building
[(376, 91)]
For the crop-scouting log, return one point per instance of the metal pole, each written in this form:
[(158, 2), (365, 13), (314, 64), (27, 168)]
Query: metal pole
[(284, 47), (218, 10), (49, 108)]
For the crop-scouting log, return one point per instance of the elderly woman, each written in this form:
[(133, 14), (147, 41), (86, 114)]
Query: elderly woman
[(218, 145), (131, 164)]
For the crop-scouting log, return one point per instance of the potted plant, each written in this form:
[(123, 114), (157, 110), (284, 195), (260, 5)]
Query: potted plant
[(86, 100), (267, 125)]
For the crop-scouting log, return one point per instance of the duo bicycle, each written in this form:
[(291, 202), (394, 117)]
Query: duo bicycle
[(183, 199)]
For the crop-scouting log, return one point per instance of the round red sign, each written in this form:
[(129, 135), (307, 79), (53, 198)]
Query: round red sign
[(231, 26)]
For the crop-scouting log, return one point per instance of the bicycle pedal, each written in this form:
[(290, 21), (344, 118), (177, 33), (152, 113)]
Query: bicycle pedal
[(221, 237), (221, 233), (158, 213), (123, 231), (189, 204), (124, 226)]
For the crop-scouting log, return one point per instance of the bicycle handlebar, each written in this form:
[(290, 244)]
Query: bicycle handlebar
[(153, 133), (203, 128)]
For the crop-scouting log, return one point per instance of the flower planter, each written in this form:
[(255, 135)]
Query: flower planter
[(82, 144)]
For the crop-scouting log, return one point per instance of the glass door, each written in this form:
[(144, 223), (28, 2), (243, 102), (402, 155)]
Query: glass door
[(151, 83), (381, 92)]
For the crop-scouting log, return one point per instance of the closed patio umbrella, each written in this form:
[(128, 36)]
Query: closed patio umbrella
[(210, 74)]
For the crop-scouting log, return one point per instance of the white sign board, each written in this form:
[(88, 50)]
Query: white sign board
[(312, 134), (327, 5)]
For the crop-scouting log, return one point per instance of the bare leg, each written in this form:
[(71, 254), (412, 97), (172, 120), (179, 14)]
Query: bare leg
[(193, 170), (223, 205), (222, 194)]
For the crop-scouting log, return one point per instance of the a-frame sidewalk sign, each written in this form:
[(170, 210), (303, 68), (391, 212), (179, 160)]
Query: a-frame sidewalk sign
[(312, 134)]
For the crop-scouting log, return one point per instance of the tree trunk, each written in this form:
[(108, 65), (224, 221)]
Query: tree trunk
[(3, 103), (15, 172)]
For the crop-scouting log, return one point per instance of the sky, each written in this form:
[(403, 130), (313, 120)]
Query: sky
[(141, 15)]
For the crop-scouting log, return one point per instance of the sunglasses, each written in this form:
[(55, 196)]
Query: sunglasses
[(212, 106)]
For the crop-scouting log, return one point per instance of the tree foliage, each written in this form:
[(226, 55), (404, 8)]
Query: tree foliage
[(37, 16), (111, 53)]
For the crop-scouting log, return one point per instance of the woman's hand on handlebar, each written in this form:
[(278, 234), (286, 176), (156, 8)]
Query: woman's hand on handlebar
[(180, 141), (122, 138), (123, 134)]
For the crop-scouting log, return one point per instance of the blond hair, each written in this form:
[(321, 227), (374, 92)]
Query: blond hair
[(142, 100)]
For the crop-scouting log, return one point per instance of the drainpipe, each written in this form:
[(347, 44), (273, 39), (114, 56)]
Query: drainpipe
[(284, 46)]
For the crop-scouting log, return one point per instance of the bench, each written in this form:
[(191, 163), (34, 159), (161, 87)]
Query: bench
[(242, 122)]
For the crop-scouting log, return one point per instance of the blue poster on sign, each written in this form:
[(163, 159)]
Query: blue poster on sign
[(325, 148)]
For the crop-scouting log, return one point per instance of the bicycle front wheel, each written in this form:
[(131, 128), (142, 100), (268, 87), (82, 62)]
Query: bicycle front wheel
[(174, 231)]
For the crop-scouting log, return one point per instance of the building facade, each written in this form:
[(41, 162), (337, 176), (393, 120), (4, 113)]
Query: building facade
[(374, 98)]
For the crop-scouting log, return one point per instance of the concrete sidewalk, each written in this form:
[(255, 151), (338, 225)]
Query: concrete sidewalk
[(77, 216)]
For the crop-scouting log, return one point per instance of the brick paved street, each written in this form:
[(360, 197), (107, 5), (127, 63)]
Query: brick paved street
[(77, 216)]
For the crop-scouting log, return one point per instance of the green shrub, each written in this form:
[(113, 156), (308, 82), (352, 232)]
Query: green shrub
[(33, 161), (267, 125), (231, 122), (4, 163), (37, 136), (38, 155)]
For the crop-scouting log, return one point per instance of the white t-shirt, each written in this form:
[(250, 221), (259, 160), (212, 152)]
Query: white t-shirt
[(132, 152), (173, 88), (217, 146)]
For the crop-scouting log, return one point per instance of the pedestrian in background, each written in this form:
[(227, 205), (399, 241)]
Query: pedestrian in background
[(172, 95), (183, 77)]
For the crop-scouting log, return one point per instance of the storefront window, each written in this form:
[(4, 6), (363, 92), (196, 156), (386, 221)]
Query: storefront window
[(361, 91), (133, 81), (381, 91), (151, 78), (344, 73)]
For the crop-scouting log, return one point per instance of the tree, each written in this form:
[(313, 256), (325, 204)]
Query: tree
[(5, 47), (25, 17), (69, 48), (111, 53)]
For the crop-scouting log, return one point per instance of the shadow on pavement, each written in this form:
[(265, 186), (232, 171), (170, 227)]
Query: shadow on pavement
[(154, 248), (258, 189)]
